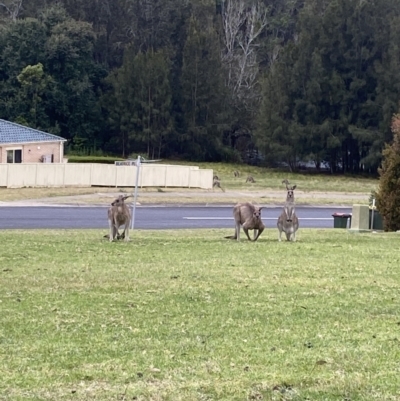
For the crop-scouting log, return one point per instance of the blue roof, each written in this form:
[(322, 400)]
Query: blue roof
[(16, 133)]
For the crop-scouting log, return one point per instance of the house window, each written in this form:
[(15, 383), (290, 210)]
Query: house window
[(14, 156)]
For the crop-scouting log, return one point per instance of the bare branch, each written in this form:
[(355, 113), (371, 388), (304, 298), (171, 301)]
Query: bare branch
[(242, 27), (13, 9)]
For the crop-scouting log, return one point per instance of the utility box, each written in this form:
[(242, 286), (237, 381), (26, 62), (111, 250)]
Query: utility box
[(47, 159), (378, 220), (360, 218)]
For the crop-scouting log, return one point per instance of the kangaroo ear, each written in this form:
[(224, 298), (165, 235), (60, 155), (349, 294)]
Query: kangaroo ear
[(126, 197), (294, 187), (262, 207)]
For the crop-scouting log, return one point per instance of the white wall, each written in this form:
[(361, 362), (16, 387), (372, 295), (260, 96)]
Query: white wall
[(85, 174)]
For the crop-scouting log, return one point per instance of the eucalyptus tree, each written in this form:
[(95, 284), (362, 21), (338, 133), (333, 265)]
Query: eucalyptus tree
[(73, 105), (254, 33), (203, 90), (278, 135), (34, 84), (352, 41), (243, 23), (341, 63), (118, 103), (110, 20), (56, 49), (11, 9), (139, 103), (21, 44), (152, 102)]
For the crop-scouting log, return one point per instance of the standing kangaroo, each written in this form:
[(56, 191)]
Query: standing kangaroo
[(217, 183), (288, 221), (119, 215), (249, 217)]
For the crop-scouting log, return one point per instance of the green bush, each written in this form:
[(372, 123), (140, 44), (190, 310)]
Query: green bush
[(388, 195), (92, 159)]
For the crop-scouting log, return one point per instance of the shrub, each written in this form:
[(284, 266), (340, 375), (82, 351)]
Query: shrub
[(388, 195)]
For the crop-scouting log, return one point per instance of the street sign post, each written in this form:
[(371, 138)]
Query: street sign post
[(136, 191), (138, 163)]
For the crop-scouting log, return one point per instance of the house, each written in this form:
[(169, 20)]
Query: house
[(19, 144)]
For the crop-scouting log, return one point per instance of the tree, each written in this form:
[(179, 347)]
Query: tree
[(203, 92), (72, 104), (139, 102), (243, 25), (12, 8), (153, 101), (21, 44), (48, 75), (118, 103), (338, 80), (34, 82), (388, 195), (278, 134)]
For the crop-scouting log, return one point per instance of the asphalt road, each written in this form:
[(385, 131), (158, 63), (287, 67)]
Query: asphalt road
[(154, 217)]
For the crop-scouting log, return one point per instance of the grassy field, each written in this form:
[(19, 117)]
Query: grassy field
[(14, 194), (272, 179), (189, 315)]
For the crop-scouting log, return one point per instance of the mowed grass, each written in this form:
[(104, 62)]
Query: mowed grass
[(14, 194), (189, 315), (272, 179)]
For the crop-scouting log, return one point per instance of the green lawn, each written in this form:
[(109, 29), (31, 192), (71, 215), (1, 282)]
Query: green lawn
[(189, 315)]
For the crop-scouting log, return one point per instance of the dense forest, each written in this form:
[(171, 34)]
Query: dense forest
[(260, 81)]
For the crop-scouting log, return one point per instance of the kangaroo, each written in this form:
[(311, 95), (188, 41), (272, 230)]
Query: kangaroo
[(236, 173), (250, 179), (217, 183), (249, 217), (288, 221), (119, 215), (119, 236)]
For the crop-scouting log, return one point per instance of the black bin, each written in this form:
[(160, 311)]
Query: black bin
[(340, 220)]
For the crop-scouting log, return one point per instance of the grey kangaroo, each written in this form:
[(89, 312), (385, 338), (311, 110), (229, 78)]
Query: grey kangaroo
[(249, 217), (288, 221), (217, 183), (119, 215)]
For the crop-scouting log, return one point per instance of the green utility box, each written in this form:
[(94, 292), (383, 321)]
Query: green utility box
[(340, 220), (378, 221)]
